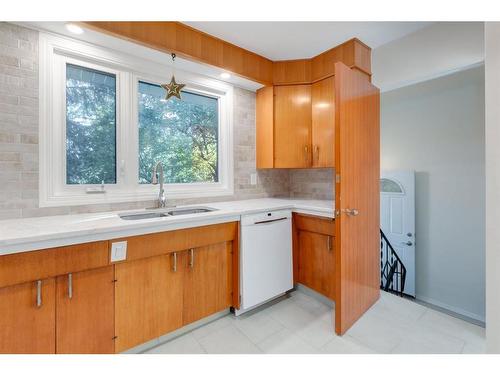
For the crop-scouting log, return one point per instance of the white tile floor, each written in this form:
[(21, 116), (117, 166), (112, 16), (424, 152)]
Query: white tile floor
[(302, 324)]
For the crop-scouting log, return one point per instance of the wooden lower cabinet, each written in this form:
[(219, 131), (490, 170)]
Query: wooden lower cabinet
[(157, 295), (85, 312), (27, 323), (317, 262), (207, 281), (148, 299)]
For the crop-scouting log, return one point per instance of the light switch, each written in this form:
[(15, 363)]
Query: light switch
[(253, 178), (118, 251)]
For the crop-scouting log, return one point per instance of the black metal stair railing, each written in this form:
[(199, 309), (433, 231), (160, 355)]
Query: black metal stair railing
[(392, 269)]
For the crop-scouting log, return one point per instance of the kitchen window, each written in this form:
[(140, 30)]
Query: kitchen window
[(104, 124), (90, 126), (182, 134)]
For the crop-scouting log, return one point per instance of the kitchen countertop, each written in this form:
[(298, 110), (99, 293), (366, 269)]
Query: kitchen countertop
[(21, 235)]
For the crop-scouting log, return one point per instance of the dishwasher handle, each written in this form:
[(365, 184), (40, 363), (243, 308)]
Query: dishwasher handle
[(270, 221)]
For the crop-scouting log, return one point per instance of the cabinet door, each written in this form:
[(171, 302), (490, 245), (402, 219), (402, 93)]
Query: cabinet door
[(317, 263), (148, 299), (207, 287), (27, 318), (85, 312), (292, 126), (323, 123)]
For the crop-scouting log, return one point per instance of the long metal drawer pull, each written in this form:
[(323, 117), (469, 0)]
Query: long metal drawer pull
[(329, 243), (174, 268), (191, 258), (39, 293), (70, 285), (270, 221)]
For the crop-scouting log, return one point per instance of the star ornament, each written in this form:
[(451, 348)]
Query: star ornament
[(173, 89)]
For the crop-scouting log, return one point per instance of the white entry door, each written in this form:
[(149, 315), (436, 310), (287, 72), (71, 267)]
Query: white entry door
[(397, 218)]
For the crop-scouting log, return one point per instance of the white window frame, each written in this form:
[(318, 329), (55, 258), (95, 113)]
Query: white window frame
[(55, 53)]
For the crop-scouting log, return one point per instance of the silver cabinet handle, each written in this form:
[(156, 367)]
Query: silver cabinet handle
[(316, 151), (70, 285), (174, 268), (350, 211), (191, 258), (329, 243), (39, 293), (409, 243)]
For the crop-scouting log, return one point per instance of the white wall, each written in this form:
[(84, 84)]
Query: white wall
[(437, 129), (434, 51), (492, 68)]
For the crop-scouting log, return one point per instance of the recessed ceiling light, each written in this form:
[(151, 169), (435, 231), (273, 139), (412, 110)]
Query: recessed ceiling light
[(225, 75), (75, 29)]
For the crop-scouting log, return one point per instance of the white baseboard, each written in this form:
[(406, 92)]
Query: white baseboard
[(179, 332), (452, 309)]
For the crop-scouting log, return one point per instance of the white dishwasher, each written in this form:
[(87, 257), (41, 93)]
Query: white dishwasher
[(266, 269)]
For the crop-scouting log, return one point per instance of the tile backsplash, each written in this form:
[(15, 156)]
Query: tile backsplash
[(19, 143), (312, 183)]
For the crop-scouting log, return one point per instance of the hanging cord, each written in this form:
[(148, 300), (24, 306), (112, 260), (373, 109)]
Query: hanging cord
[(173, 63)]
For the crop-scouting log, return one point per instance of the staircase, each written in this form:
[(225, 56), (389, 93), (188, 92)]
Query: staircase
[(392, 270)]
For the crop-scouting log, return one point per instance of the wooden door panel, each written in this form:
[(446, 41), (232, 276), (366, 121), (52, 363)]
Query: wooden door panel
[(323, 123), (357, 161), (317, 262), (148, 299), (169, 296), (85, 322), (24, 327), (292, 126), (208, 281)]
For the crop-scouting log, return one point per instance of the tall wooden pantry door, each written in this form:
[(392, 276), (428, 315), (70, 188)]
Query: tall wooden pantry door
[(357, 168)]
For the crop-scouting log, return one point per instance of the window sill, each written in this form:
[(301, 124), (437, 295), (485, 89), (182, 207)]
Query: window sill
[(113, 196)]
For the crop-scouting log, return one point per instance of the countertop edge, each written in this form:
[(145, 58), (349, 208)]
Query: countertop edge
[(51, 240)]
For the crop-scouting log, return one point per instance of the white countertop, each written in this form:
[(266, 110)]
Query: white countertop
[(20, 235)]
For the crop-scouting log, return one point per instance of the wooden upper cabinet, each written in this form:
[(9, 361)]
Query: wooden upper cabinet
[(323, 123), (283, 127), (208, 281), (295, 126), (27, 318), (292, 126), (148, 299), (264, 123), (85, 312)]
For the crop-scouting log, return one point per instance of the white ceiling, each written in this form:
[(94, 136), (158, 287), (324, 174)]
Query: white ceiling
[(296, 40)]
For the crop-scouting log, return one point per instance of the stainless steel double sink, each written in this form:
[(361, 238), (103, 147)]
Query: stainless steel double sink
[(165, 213)]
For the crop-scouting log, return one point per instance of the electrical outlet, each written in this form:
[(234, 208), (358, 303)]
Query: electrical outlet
[(253, 178), (118, 251)]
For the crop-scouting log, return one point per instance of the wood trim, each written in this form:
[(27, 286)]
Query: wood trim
[(289, 72), (196, 45), (315, 224), (264, 127), (235, 268), (149, 245), (295, 249), (42, 264), (191, 44)]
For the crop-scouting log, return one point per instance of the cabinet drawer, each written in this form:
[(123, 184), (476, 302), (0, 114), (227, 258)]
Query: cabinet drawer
[(139, 247), (41, 264), (314, 224)]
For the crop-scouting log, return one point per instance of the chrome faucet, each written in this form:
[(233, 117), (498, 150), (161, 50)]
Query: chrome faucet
[(162, 200)]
